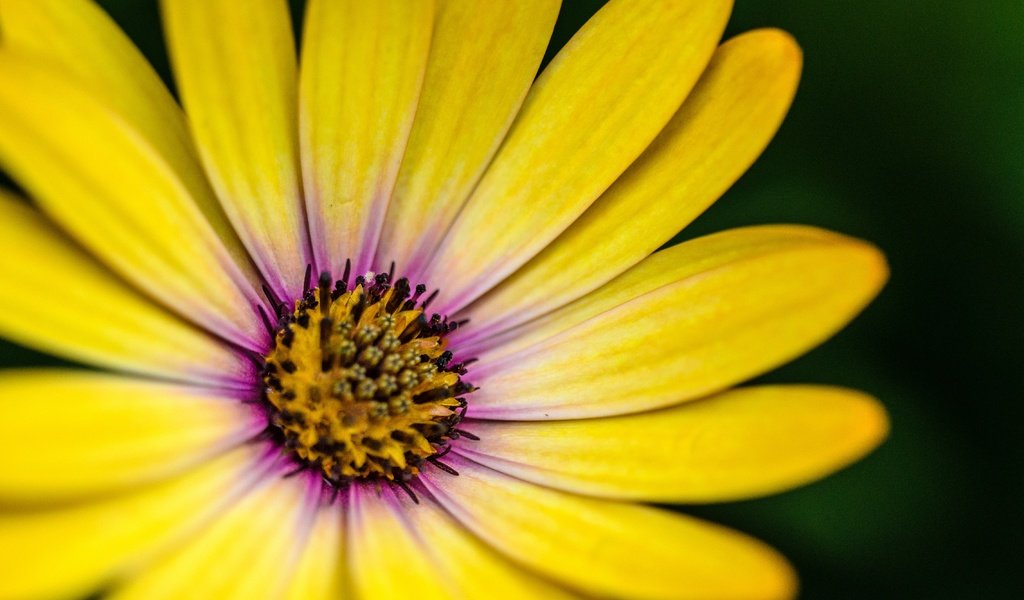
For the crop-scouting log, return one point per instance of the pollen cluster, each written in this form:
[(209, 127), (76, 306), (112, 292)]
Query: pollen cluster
[(359, 384)]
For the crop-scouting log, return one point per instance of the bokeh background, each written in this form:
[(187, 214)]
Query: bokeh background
[(908, 130)]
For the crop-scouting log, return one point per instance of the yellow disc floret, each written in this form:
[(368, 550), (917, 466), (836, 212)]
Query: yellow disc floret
[(359, 384)]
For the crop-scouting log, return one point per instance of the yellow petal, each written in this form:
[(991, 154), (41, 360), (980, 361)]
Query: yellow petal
[(79, 37), (70, 434), (608, 548), (362, 69), (720, 130), (107, 185), (235, 68), (595, 108), (249, 552), (663, 268), (468, 567), (746, 306), (481, 65), (740, 444), (320, 574), (69, 551), (60, 300), (383, 546)]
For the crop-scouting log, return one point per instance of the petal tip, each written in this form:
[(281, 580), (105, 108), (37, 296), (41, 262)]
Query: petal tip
[(782, 582), (864, 426), (875, 266), (864, 262), (780, 39), (872, 420), (775, 48)]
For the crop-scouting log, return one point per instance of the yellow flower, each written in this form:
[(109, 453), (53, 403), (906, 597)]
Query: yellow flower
[(284, 417)]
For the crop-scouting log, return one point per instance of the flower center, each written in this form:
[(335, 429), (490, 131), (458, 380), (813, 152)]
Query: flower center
[(359, 383)]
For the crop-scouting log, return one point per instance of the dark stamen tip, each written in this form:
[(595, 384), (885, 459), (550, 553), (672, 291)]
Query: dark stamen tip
[(443, 467), (430, 298), (466, 434), (347, 272), (294, 471), (307, 278), (408, 490)]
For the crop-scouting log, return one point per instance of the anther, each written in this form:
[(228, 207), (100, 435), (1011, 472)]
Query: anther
[(324, 287), (308, 277), (295, 471), (271, 297), (405, 487), (466, 434), (266, 319), (443, 467), (426, 303)]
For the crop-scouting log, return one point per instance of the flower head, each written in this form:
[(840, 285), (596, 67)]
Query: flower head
[(387, 319)]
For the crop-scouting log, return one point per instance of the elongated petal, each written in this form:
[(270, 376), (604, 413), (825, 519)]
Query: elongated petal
[(109, 187), (321, 572), (719, 321), (235, 67), (436, 556), (362, 69), (93, 543), (605, 548), (663, 268), (73, 433), (743, 443), (719, 131), (249, 552), (79, 37), (481, 64), (591, 113), (57, 299), (383, 545), (467, 566)]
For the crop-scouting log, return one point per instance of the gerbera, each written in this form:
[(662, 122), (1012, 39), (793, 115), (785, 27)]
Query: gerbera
[(386, 322)]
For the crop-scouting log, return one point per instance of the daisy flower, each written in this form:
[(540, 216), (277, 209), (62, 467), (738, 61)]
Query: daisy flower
[(384, 315)]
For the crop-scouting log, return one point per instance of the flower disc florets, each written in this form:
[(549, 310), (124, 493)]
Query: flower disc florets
[(359, 384)]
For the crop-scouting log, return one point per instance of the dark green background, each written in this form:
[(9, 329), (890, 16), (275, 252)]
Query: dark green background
[(908, 130)]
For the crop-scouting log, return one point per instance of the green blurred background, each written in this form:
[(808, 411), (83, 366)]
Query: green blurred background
[(908, 130)]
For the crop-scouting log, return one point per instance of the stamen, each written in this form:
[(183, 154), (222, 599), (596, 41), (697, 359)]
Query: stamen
[(443, 467), (272, 298), (266, 319), (359, 384), (307, 278), (408, 490)]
